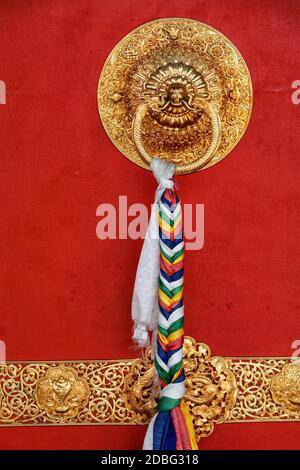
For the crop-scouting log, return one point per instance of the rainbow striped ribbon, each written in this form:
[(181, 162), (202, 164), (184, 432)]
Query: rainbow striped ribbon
[(171, 428)]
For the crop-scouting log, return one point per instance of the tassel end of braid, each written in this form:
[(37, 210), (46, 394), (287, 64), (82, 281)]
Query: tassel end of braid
[(171, 430)]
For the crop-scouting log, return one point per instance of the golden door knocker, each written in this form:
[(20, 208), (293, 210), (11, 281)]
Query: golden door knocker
[(196, 106), (178, 90)]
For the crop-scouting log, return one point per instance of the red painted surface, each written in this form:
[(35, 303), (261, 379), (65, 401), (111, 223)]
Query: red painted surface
[(64, 293)]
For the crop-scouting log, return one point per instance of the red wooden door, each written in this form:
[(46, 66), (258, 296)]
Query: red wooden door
[(65, 294)]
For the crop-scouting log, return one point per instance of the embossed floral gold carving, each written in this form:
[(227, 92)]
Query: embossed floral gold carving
[(210, 388), (61, 393), (219, 390), (285, 388), (20, 382), (256, 379)]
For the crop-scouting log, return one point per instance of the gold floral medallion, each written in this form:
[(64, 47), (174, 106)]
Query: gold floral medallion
[(61, 393), (285, 388)]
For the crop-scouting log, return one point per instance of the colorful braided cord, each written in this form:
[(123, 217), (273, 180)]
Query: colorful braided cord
[(172, 426)]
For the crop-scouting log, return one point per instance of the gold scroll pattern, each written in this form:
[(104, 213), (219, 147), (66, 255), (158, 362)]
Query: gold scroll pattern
[(269, 389), (28, 397), (219, 390)]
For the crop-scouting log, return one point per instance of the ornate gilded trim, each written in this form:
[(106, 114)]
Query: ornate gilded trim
[(219, 390)]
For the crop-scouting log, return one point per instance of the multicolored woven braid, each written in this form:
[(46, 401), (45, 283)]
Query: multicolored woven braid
[(172, 426)]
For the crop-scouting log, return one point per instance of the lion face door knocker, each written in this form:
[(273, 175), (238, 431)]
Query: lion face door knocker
[(176, 89), (174, 96)]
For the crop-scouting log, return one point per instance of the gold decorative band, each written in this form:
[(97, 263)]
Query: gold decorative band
[(219, 390), (199, 86)]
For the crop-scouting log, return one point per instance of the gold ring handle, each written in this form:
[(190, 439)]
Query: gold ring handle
[(198, 103)]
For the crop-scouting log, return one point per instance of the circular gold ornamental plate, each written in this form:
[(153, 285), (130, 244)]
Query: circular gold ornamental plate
[(178, 90)]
